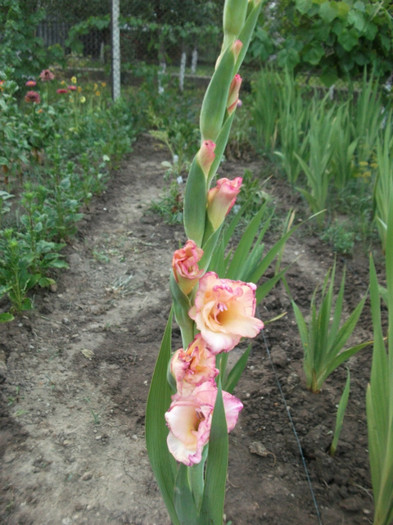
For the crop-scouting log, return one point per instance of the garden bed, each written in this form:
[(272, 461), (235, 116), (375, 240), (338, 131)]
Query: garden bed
[(75, 374)]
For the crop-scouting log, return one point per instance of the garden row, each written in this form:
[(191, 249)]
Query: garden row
[(59, 142), (334, 149)]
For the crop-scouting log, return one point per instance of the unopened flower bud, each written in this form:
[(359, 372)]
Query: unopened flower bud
[(233, 97), (206, 155), (185, 266), (221, 199), (236, 48)]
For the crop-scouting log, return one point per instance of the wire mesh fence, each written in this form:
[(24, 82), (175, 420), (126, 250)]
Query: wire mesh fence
[(87, 28)]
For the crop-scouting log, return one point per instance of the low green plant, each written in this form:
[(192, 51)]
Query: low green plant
[(324, 336), (170, 204), (367, 114), (383, 187), (5, 206), (293, 122), (16, 275), (315, 162), (341, 236), (265, 110), (343, 146), (379, 397)]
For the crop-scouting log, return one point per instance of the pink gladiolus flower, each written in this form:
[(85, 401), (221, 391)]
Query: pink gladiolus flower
[(72, 87), (224, 312), (46, 75), (61, 91), (206, 155), (221, 199), (31, 83), (189, 420), (193, 366), (233, 96), (185, 266), (33, 97)]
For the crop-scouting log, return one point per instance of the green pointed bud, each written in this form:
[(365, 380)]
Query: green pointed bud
[(194, 212), (246, 32), (235, 12), (214, 104)]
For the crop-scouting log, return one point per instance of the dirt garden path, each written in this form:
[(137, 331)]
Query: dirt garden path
[(75, 374)]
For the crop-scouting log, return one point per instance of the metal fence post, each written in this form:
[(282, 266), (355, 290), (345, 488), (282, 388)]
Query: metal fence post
[(115, 49)]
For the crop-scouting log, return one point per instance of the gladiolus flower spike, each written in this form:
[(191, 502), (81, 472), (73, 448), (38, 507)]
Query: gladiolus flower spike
[(188, 407)]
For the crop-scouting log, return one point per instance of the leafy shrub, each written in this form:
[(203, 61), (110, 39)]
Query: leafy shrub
[(337, 39)]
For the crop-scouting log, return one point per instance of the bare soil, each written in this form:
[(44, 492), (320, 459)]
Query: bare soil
[(75, 374)]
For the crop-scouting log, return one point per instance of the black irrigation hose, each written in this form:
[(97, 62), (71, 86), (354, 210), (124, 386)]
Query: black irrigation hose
[(294, 431)]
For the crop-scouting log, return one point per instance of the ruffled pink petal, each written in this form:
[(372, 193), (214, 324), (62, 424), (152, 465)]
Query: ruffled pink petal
[(180, 452), (232, 407)]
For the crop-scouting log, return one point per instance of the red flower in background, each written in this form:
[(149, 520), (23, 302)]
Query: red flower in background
[(31, 83), (72, 87), (62, 91), (33, 97), (46, 75)]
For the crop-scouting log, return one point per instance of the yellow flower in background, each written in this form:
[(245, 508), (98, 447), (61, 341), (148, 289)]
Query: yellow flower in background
[(62, 82), (83, 100), (73, 79), (95, 87), (103, 84), (79, 88), (98, 93)]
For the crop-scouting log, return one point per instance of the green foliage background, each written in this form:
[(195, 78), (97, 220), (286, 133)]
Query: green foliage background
[(336, 39)]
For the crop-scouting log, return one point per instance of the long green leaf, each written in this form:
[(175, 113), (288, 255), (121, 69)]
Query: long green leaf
[(347, 328), (239, 258), (268, 285), (341, 358), (246, 33), (379, 420), (232, 379), (221, 143), (162, 462), (337, 315), (379, 398), (340, 415), (271, 254), (183, 498)]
